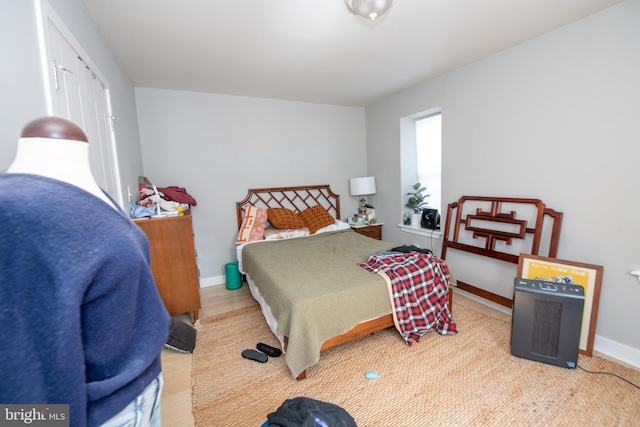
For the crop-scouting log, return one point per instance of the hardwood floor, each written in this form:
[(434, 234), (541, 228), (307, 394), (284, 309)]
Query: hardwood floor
[(176, 367)]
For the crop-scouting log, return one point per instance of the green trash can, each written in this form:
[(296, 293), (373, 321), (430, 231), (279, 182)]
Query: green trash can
[(233, 275)]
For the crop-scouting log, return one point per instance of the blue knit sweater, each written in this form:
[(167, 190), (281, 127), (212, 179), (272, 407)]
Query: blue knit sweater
[(81, 321)]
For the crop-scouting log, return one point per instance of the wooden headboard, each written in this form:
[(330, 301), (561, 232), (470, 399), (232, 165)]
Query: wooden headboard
[(500, 228), (295, 198)]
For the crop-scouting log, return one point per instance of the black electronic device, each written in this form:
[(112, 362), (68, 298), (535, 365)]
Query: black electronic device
[(430, 219), (546, 321)]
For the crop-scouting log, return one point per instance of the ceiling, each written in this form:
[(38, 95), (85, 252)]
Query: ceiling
[(316, 51)]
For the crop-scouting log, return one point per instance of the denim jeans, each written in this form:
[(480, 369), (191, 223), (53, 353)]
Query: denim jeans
[(144, 411)]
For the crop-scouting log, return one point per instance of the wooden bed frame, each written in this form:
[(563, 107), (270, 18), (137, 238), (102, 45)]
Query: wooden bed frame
[(477, 224), (496, 221), (299, 199)]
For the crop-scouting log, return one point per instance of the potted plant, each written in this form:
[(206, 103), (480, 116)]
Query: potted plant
[(416, 203)]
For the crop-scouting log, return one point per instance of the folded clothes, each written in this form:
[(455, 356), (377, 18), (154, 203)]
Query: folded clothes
[(178, 194), (138, 211)]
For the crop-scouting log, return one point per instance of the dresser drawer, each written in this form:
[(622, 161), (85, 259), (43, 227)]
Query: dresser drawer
[(373, 231)]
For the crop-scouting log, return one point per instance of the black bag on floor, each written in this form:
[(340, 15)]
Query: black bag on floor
[(307, 412), (182, 337)]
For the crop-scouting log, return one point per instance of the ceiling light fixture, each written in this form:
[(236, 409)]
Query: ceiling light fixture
[(370, 9)]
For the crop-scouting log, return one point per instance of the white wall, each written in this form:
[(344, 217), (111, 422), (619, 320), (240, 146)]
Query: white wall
[(554, 118), (218, 146), (21, 81)]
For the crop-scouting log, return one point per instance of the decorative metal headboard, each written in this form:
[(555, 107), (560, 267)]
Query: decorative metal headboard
[(500, 228), (295, 198)]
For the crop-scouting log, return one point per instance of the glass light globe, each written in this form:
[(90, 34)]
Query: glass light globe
[(370, 9)]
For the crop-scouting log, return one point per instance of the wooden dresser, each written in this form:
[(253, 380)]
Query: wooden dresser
[(173, 262)]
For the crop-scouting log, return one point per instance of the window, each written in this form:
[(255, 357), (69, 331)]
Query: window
[(420, 160), (429, 156)]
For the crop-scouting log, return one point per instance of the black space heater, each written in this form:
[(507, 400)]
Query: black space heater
[(546, 321)]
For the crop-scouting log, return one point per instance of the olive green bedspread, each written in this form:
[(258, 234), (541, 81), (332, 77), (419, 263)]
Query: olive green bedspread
[(315, 288)]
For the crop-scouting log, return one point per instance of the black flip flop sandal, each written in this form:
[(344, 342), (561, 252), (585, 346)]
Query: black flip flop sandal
[(255, 355), (268, 350)]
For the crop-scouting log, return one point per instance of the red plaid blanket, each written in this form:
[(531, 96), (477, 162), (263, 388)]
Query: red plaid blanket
[(419, 287)]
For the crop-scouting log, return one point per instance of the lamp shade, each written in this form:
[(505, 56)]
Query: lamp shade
[(370, 9), (362, 186)]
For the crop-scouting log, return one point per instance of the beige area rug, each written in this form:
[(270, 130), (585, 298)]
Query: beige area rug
[(470, 379)]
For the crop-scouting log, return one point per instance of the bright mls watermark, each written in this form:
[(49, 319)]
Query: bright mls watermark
[(36, 415)]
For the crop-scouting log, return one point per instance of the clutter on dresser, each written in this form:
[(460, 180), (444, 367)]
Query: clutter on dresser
[(160, 202)]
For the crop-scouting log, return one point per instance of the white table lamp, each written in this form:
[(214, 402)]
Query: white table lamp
[(362, 186)]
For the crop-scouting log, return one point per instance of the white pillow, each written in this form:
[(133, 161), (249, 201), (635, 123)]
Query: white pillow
[(279, 233), (338, 225), (272, 233)]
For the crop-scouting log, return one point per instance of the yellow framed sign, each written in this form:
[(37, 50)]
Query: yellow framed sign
[(589, 276)]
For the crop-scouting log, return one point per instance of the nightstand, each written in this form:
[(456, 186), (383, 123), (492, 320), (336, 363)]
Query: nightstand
[(374, 230)]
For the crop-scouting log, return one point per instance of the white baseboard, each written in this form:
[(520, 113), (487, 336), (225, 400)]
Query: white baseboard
[(481, 300), (615, 350), (205, 282), (606, 346)]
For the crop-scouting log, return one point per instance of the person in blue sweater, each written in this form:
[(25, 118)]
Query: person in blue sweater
[(81, 320)]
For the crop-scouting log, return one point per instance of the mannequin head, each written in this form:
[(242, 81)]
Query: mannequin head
[(53, 128), (58, 149)]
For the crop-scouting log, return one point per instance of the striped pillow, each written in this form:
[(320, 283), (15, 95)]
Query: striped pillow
[(253, 225)]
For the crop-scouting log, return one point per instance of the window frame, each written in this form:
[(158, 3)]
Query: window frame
[(409, 166)]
